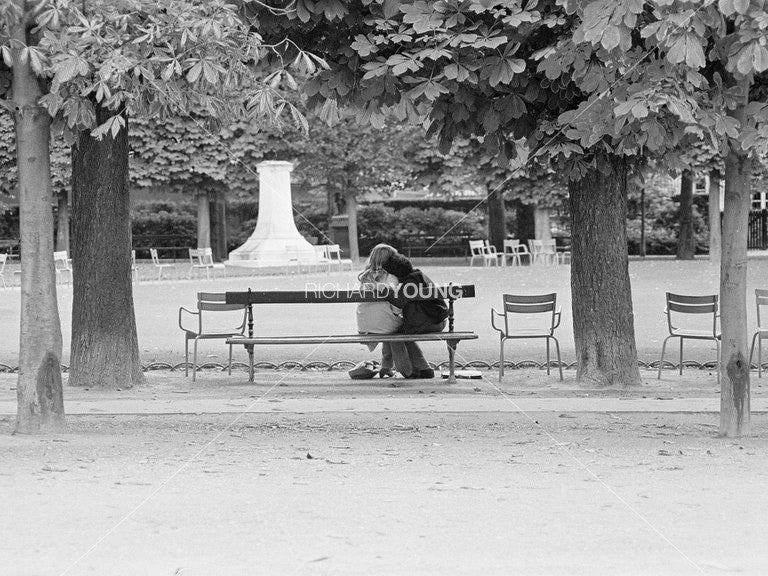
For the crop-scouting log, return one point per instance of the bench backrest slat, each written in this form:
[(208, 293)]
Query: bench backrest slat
[(320, 296)]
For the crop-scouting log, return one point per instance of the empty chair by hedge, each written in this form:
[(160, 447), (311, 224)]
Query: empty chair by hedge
[(761, 299), (63, 265), (692, 318), (333, 253), (159, 266), (3, 259), (528, 316), (202, 259), (321, 258), (134, 267), (543, 251), (516, 251), (213, 319), (481, 249)]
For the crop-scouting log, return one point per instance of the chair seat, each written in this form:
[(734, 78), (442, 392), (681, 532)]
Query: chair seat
[(697, 334), (528, 333), (202, 335)]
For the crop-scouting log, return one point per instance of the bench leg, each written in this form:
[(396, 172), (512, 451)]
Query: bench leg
[(451, 361), (250, 361)]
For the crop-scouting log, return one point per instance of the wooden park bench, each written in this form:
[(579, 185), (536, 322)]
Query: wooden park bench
[(449, 292)]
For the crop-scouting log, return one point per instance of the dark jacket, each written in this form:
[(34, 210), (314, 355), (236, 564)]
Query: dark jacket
[(419, 316)]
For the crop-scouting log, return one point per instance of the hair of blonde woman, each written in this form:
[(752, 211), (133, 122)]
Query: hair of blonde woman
[(373, 268)]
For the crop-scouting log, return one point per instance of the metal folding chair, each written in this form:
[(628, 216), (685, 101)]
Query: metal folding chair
[(518, 309), (694, 309), (761, 299)]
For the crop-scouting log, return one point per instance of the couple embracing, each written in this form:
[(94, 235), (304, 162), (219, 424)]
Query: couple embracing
[(386, 268)]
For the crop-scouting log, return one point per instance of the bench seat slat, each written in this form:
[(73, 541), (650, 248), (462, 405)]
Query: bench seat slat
[(355, 338)]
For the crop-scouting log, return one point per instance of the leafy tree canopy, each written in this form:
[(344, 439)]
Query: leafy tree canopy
[(554, 79), (152, 59)]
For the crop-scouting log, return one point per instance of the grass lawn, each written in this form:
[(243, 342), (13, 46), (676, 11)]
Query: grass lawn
[(160, 339)]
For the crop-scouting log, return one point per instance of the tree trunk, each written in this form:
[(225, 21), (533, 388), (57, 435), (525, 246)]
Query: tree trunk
[(542, 224), (642, 223), (603, 323), (62, 225), (715, 236), (734, 354), (105, 350), (686, 244), (497, 219), (38, 389), (354, 250), (203, 221), (218, 210), (525, 223)]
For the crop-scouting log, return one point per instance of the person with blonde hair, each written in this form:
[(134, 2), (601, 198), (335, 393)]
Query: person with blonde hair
[(380, 317)]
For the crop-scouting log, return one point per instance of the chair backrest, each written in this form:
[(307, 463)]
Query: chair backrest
[(153, 255), (3, 258), (133, 258), (206, 256), (761, 299), (216, 301), (194, 256), (511, 245), (542, 246), (209, 302), (530, 304), (321, 252), (60, 260), (333, 251), (679, 304), (477, 247)]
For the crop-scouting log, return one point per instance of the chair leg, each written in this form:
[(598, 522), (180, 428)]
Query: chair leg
[(760, 356), (681, 355), (230, 360), (547, 339), (194, 361), (559, 363), (501, 358), (661, 362), (717, 346), (186, 356), (752, 352)]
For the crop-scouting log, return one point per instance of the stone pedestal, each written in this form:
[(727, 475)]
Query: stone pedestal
[(275, 241)]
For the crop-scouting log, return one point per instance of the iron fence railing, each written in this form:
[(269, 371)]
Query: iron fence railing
[(169, 246), (757, 238)]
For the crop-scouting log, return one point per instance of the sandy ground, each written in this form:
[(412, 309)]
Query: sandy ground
[(314, 474)]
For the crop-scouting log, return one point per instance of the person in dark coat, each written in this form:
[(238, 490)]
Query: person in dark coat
[(419, 316)]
